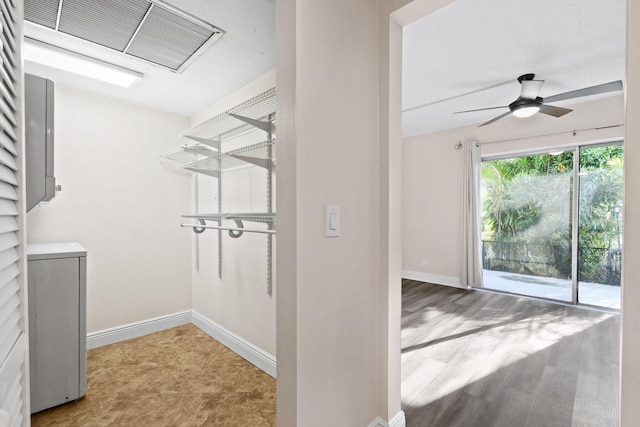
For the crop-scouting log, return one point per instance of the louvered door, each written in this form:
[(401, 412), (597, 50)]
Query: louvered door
[(13, 368)]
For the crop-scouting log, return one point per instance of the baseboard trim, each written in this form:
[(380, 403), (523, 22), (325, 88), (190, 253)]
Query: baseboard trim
[(433, 278), (397, 421), (243, 348), (137, 329)]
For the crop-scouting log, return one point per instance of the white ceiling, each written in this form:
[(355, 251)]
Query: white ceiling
[(245, 52), (468, 55), (464, 56)]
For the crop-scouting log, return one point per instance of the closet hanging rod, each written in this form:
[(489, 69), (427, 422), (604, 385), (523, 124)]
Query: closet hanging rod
[(215, 227)]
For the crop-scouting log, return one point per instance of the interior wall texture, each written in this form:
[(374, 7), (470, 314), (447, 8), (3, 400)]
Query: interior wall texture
[(432, 177), (630, 338), (333, 329), (121, 204), (239, 300)]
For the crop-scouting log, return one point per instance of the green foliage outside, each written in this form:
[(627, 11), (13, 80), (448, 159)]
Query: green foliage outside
[(527, 211)]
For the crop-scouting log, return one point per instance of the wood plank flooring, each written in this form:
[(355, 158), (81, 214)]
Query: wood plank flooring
[(472, 358)]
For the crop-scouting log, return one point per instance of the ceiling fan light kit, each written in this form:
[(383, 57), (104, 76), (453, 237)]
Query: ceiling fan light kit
[(529, 103), (524, 107)]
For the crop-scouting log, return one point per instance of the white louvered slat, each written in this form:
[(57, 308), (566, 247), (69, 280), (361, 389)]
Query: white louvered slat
[(7, 175), (8, 224), (8, 274), (13, 356), (13, 402), (8, 308), (4, 92), (6, 80), (9, 10), (6, 111), (7, 159), (7, 58), (9, 70), (4, 124), (10, 330), (8, 192), (8, 290), (8, 207), (7, 241), (11, 371), (7, 144), (8, 42)]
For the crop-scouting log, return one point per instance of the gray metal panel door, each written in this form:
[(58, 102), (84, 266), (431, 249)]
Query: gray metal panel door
[(54, 301), (35, 113)]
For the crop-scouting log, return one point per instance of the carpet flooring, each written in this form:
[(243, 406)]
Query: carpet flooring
[(177, 377)]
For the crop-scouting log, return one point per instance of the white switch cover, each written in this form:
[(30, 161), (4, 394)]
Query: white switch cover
[(332, 221)]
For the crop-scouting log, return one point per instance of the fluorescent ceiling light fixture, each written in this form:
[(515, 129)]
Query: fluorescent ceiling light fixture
[(526, 111), (62, 59)]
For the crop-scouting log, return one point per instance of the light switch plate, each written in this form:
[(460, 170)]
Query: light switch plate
[(332, 221)]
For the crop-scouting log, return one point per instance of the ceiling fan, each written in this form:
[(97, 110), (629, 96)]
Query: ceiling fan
[(529, 103)]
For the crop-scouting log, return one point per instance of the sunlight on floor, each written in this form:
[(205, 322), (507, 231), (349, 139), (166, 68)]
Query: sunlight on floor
[(474, 351)]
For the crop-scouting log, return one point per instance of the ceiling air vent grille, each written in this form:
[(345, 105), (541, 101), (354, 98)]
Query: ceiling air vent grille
[(149, 30), (42, 12), (167, 38), (108, 23)]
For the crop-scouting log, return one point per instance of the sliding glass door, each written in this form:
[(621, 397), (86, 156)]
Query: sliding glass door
[(600, 226), (530, 204), (526, 225)]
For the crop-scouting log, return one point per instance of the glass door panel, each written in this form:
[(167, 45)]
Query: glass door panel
[(527, 225), (600, 226)]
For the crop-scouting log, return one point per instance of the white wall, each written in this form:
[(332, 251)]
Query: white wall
[(432, 178), (328, 288), (239, 301), (630, 337), (121, 204)]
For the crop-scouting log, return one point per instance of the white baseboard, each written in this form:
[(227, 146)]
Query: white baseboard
[(243, 348), (433, 278), (137, 329), (397, 421)]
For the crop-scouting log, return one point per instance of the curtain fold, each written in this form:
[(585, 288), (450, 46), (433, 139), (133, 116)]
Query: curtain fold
[(471, 274)]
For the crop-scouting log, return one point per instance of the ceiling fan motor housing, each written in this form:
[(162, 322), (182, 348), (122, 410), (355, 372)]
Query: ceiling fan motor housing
[(522, 103)]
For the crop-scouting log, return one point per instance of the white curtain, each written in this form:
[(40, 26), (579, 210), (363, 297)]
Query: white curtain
[(471, 274)]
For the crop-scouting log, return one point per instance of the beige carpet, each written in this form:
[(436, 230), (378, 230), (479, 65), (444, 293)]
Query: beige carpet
[(177, 377)]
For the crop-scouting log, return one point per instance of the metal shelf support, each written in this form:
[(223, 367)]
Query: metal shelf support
[(265, 126)]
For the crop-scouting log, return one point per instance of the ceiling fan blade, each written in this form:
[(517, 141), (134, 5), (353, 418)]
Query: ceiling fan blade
[(587, 91), (480, 109), (495, 119), (551, 110), (531, 88)]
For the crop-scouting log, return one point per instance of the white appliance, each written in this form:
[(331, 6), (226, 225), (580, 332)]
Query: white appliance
[(57, 282)]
